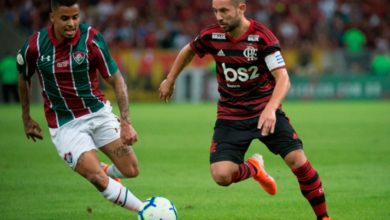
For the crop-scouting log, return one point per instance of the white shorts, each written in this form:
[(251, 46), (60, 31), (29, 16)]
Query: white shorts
[(89, 132)]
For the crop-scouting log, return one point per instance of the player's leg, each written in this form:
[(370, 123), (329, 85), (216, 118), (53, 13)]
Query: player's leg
[(106, 136), (88, 166), (231, 140), (227, 152), (285, 142), (309, 181), (106, 129), (228, 171), (125, 162), (76, 146), (224, 173)]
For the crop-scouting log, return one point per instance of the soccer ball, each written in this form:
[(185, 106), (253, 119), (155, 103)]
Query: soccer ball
[(157, 208)]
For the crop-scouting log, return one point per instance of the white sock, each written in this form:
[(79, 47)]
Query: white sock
[(120, 195), (114, 172)]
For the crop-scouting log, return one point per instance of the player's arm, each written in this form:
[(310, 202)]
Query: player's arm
[(128, 133), (31, 127), (184, 57), (267, 118)]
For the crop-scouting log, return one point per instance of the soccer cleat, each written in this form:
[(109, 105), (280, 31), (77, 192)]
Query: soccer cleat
[(105, 169), (326, 218), (266, 181)]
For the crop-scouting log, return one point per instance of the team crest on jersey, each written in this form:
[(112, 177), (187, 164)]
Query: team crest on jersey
[(78, 56), (253, 38), (250, 53), (219, 36), (68, 157)]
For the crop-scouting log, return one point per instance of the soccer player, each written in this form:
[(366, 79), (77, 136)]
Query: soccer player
[(252, 82), (66, 57)]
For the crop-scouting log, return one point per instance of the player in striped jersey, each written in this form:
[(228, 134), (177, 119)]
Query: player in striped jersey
[(66, 57), (252, 82)]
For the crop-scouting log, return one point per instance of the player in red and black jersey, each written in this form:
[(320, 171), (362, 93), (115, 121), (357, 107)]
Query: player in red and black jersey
[(252, 82)]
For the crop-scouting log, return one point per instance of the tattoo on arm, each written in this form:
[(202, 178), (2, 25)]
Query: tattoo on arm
[(24, 94), (122, 99)]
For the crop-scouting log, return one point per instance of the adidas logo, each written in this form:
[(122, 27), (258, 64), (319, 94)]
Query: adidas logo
[(221, 53)]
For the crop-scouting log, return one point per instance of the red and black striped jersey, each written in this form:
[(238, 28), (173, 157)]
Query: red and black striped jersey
[(245, 83), (67, 72)]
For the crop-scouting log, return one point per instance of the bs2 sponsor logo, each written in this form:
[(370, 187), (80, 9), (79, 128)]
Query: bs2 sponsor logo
[(242, 74)]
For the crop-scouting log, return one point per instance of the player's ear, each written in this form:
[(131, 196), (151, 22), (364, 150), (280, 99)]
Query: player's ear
[(51, 15), (242, 7)]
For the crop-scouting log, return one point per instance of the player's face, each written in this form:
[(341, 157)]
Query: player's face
[(66, 21), (227, 14)]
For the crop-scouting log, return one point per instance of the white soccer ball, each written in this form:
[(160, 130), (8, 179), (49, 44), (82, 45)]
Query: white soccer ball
[(157, 208)]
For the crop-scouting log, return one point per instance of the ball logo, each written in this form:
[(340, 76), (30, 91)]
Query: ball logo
[(242, 74), (250, 53)]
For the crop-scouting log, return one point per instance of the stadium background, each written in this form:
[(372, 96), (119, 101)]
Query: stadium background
[(347, 141), (335, 49)]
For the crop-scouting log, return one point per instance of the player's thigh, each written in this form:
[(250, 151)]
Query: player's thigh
[(123, 156), (106, 136), (72, 140), (284, 140), (230, 142)]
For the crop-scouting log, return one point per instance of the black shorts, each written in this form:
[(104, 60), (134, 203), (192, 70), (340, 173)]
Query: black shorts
[(232, 138)]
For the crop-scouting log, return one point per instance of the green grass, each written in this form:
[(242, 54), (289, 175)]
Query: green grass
[(347, 142)]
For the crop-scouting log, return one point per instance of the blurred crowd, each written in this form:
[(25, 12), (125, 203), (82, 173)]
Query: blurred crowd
[(319, 33)]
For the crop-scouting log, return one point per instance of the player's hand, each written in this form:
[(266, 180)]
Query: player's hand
[(32, 130), (128, 134), (166, 89), (267, 121)]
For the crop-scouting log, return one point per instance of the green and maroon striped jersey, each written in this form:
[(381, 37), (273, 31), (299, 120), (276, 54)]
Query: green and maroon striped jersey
[(67, 72)]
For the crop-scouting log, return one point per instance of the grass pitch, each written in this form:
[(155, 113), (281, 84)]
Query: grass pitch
[(347, 142)]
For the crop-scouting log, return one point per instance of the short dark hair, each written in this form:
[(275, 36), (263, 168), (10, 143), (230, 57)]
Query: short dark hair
[(237, 2), (57, 3)]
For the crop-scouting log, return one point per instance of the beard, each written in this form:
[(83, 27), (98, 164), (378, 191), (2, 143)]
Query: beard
[(230, 27)]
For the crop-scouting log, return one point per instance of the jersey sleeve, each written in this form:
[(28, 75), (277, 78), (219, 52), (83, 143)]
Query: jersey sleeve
[(198, 46), (105, 63), (270, 41), (270, 47), (272, 56), (27, 56)]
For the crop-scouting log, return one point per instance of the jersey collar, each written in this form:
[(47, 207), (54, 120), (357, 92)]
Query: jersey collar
[(243, 36)]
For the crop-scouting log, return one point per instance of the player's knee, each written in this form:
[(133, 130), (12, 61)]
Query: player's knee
[(131, 171), (222, 178), (295, 159)]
